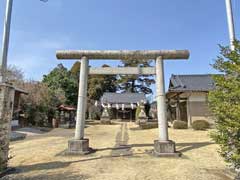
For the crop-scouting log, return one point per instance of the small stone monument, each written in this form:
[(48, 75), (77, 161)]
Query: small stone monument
[(105, 118), (142, 117)]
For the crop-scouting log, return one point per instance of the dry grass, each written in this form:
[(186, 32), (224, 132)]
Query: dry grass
[(40, 157)]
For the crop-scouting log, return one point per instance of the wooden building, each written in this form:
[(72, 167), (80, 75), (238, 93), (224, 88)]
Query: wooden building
[(18, 115), (187, 97), (123, 105)]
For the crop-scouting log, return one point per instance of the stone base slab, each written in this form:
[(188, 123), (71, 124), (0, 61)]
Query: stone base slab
[(149, 125), (105, 121), (165, 149), (78, 147)]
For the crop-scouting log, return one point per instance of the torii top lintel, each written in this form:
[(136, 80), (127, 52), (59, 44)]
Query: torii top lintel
[(123, 54)]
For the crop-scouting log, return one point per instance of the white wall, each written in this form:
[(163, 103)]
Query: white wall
[(198, 109), (199, 97)]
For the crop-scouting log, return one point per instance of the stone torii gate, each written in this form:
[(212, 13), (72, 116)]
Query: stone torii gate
[(162, 146)]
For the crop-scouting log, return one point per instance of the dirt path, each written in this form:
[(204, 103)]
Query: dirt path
[(121, 147)]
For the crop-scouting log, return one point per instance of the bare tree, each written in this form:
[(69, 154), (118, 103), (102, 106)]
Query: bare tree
[(14, 75)]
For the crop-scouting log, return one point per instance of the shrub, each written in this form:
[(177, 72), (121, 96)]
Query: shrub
[(200, 125), (177, 124), (225, 102)]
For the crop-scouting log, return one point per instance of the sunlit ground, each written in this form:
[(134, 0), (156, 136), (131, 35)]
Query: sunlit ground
[(122, 152)]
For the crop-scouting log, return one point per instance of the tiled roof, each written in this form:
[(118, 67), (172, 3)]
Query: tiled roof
[(123, 98), (193, 82)]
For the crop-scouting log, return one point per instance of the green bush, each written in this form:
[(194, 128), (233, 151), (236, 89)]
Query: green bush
[(177, 124), (200, 125), (36, 115)]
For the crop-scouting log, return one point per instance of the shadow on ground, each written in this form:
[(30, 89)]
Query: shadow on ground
[(62, 165), (220, 173), (45, 176), (55, 164), (184, 146), (191, 146)]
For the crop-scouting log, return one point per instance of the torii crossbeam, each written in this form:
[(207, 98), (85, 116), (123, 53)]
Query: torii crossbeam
[(162, 146)]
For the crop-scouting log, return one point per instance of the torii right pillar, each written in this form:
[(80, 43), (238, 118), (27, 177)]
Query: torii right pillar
[(162, 146)]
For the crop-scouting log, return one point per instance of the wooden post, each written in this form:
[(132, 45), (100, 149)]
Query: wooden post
[(189, 113), (178, 115)]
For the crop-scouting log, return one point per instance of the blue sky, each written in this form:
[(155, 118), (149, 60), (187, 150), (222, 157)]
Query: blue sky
[(39, 29)]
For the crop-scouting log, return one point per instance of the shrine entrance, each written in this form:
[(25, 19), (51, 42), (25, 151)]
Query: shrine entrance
[(162, 146), (125, 115)]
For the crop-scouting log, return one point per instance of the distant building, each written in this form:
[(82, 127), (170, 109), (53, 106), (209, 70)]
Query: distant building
[(187, 97), (123, 105)]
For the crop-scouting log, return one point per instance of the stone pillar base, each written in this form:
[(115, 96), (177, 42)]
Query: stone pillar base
[(78, 147), (165, 149)]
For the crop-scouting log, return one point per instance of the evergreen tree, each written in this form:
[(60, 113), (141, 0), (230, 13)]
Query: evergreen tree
[(97, 84), (75, 69), (136, 83), (60, 79), (225, 104)]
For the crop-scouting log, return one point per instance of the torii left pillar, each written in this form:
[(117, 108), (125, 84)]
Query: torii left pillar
[(80, 145)]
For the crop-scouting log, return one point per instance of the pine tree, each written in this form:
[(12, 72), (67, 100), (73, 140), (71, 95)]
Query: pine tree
[(136, 83), (225, 104), (99, 84)]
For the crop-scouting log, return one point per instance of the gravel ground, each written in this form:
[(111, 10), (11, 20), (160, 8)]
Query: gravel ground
[(122, 153)]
